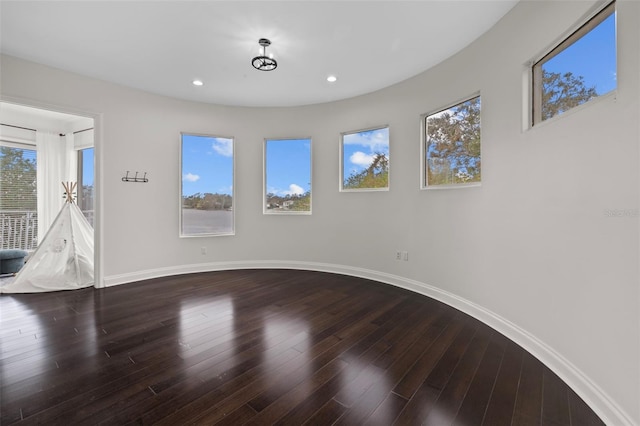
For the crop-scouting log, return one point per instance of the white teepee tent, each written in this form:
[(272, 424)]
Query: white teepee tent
[(64, 258)]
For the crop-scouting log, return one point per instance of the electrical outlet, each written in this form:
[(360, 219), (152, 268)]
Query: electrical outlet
[(405, 256), (398, 255), (203, 250)]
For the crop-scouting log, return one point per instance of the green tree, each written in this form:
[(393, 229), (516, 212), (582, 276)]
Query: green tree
[(374, 176), (18, 180), (302, 203), (453, 144), (561, 92), (289, 202), (208, 201)]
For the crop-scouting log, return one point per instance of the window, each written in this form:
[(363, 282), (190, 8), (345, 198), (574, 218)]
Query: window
[(207, 186), (18, 202), (451, 145), (579, 69), (287, 176), (85, 183), (364, 157)]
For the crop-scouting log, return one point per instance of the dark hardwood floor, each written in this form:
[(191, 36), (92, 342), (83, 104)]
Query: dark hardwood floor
[(261, 347)]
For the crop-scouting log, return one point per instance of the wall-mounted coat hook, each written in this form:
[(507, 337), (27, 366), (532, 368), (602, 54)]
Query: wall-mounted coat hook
[(135, 178)]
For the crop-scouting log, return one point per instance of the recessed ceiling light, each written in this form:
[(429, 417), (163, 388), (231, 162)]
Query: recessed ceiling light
[(198, 83), (332, 79)]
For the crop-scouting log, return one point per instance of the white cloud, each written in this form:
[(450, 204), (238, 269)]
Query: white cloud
[(374, 140), (223, 147), (295, 189), (189, 177), (361, 159)]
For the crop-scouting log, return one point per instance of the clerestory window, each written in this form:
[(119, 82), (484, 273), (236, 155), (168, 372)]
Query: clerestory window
[(579, 69)]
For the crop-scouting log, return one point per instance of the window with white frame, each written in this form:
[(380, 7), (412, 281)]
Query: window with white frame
[(364, 158), (287, 176), (451, 145), (86, 188), (206, 196), (18, 197), (579, 69)]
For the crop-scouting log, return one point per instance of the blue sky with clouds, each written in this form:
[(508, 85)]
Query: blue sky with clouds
[(288, 166), (359, 149), (207, 165)]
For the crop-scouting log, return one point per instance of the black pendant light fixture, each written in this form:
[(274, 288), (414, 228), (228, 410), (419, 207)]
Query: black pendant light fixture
[(264, 62)]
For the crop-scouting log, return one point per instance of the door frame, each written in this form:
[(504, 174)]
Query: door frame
[(98, 244)]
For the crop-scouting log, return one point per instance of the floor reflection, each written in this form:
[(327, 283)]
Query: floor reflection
[(25, 340), (285, 339), (203, 323), (37, 333)]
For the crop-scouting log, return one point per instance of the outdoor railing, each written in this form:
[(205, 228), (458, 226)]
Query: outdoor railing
[(89, 215), (19, 228)]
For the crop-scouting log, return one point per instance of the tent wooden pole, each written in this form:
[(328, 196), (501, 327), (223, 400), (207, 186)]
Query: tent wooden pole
[(69, 187)]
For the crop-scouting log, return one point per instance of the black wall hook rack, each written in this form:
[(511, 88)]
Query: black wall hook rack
[(135, 178)]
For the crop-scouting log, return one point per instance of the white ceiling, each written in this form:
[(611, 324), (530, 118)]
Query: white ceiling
[(41, 119), (162, 46)]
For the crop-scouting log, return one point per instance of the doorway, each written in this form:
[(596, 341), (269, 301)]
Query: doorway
[(26, 210)]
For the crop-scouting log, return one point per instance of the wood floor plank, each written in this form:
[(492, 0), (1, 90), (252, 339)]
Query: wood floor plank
[(581, 414), (387, 411), (217, 402), (476, 400), (238, 417), (383, 374), (423, 367), (314, 402), (265, 347), (529, 398), (283, 405), (327, 415), (502, 401), (425, 397), (455, 389), (555, 398), (316, 357)]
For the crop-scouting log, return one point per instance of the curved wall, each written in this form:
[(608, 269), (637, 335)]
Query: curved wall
[(531, 251)]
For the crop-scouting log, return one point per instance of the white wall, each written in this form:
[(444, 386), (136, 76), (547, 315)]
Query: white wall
[(532, 251)]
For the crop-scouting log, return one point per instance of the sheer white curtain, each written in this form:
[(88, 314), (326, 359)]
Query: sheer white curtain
[(56, 163), (72, 159)]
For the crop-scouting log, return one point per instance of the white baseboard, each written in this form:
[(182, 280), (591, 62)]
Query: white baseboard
[(594, 396)]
